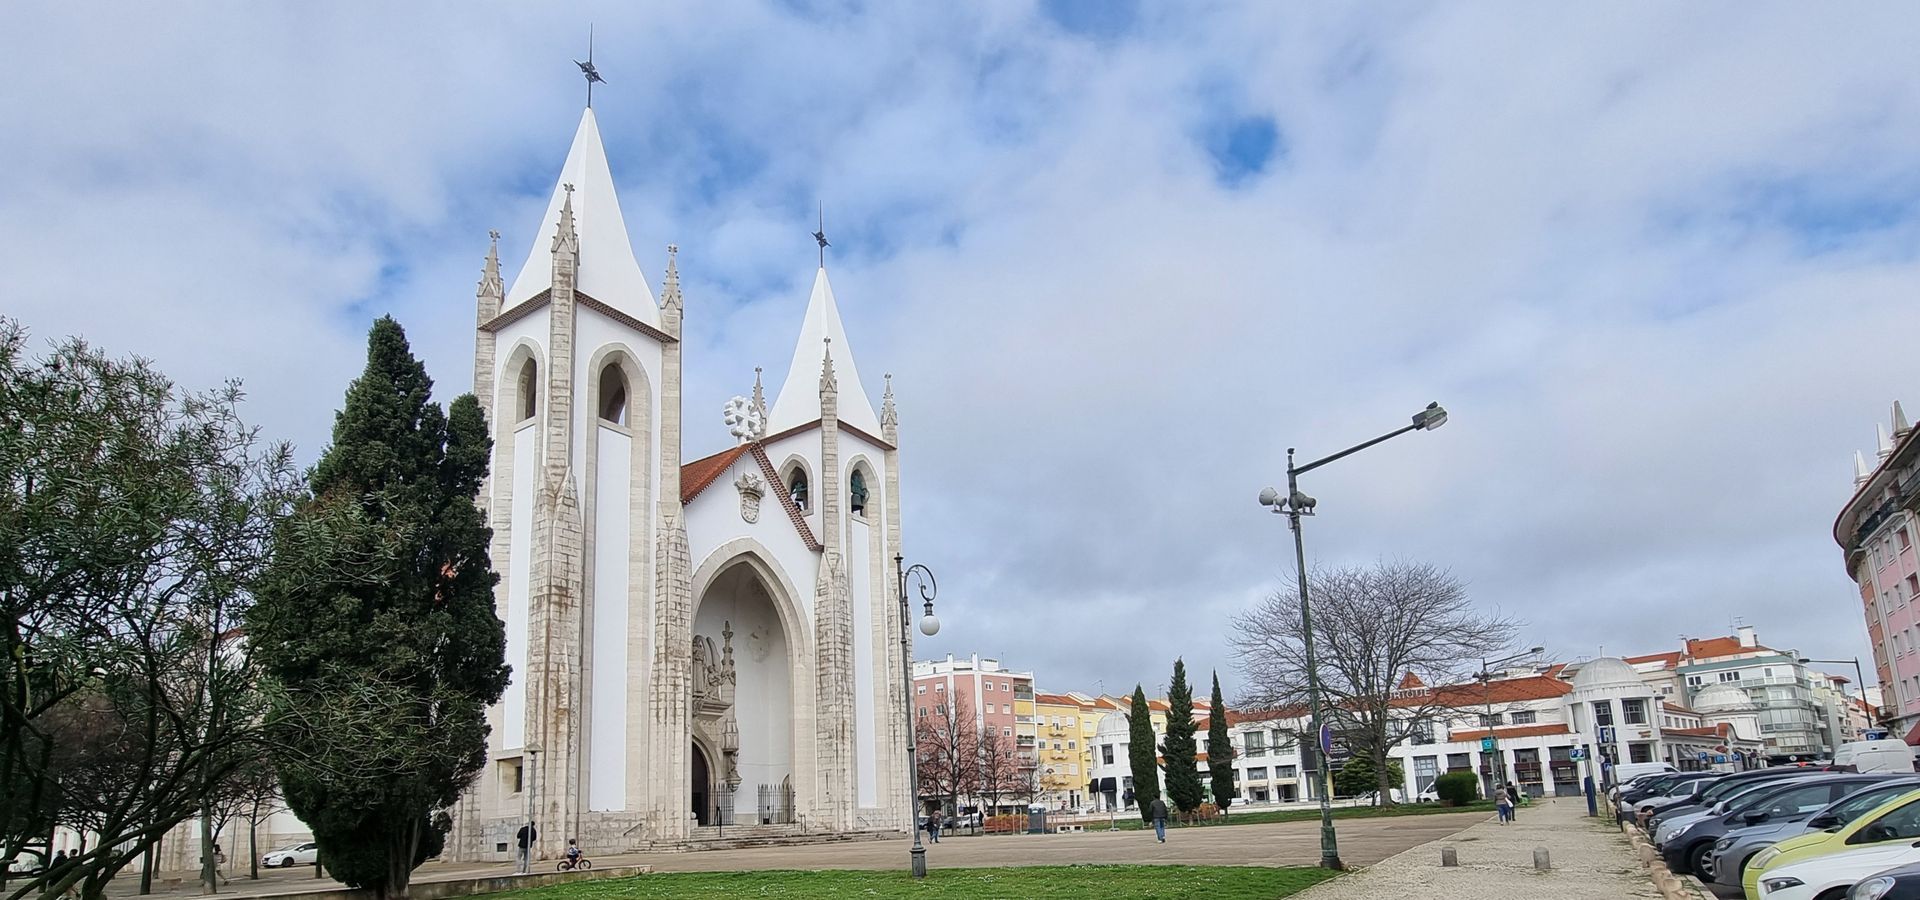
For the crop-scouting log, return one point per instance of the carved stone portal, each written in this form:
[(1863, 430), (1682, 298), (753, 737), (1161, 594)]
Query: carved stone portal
[(713, 717)]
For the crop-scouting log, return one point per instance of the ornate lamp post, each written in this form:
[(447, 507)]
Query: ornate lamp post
[(1294, 505), (1499, 764), (929, 626)]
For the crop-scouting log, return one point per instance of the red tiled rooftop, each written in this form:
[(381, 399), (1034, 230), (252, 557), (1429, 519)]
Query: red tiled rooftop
[(1410, 682), (1712, 648), (1508, 690), (696, 475), (1667, 660)]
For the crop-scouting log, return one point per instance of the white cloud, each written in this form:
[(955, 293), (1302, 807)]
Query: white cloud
[(1545, 218)]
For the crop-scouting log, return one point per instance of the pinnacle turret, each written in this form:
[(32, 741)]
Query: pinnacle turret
[(1900, 426), (828, 383), (490, 292), (565, 238), (670, 283), (889, 417), (1860, 471)]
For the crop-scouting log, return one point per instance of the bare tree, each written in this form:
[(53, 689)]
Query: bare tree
[(1371, 628), (254, 794), (948, 750), (999, 769)]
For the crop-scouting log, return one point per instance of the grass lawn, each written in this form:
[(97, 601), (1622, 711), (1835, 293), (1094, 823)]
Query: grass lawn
[(1130, 821), (1075, 882)]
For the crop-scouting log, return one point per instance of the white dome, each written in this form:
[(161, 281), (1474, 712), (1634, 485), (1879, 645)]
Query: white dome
[(1721, 698), (1607, 671)]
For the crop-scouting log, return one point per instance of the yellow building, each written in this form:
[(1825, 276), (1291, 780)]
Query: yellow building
[(1065, 726)]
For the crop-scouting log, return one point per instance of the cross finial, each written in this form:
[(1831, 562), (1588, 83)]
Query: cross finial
[(586, 68), (494, 236), (821, 236)]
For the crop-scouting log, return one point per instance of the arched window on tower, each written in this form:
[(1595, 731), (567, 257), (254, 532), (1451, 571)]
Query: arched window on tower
[(797, 487), (857, 492), (529, 390), (613, 394)]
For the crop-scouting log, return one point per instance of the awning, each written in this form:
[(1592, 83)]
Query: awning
[(1108, 786)]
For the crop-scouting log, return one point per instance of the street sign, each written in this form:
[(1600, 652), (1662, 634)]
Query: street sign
[(1577, 754), (1486, 745), (1326, 738), (1703, 756), (1606, 734), (1719, 759)]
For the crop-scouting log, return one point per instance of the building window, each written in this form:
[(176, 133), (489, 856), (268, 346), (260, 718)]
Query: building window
[(1258, 774), (857, 493), (939, 688), (797, 487), (989, 685), (1640, 753), (923, 712), (1285, 772), (1602, 712), (529, 390), (1006, 731), (1006, 709), (919, 688), (613, 394), (1489, 721), (1256, 744), (515, 775), (1693, 681), (1106, 754), (1525, 717), (1070, 745), (1730, 676), (1634, 711), (1006, 685)]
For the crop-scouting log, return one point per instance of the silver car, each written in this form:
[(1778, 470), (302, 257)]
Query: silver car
[(1731, 852)]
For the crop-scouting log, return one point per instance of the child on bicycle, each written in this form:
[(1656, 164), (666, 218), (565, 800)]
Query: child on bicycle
[(573, 850)]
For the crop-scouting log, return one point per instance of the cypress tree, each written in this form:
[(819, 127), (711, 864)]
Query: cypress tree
[(1183, 773), (377, 626), (1220, 751), (1142, 755)]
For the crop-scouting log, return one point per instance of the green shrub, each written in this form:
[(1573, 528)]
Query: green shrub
[(1457, 788)]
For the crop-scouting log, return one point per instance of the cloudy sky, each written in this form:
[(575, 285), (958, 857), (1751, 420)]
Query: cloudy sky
[(1658, 260)]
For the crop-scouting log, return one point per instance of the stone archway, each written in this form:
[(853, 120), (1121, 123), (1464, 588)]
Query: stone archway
[(743, 691)]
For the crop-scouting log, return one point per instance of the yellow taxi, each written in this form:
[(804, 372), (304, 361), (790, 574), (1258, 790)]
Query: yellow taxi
[(1893, 822)]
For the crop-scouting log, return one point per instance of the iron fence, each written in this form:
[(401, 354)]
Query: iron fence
[(776, 804)]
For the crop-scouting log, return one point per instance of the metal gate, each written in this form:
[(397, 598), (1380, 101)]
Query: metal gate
[(776, 804)]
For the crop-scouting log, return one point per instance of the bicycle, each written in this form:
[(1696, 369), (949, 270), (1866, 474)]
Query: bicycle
[(570, 865)]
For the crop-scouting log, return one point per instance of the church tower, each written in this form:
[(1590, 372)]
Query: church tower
[(565, 363)]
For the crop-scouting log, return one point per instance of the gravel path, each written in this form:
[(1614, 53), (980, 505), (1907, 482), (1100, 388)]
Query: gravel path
[(1591, 861)]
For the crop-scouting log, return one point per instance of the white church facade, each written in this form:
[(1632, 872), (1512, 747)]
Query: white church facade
[(693, 644)]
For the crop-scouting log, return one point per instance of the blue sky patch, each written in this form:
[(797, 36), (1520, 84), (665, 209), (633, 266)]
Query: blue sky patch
[(1096, 19), (1242, 147)]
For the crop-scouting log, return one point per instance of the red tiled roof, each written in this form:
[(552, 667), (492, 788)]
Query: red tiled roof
[(1410, 682), (1669, 707), (1056, 699), (1713, 731), (1553, 671), (1236, 717), (1667, 660), (1513, 731), (1710, 648), (696, 475), (1508, 690)]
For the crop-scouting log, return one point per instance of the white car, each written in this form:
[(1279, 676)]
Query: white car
[(1835, 872), (288, 857)]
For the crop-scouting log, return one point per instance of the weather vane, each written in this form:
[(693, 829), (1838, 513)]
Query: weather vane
[(821, 236), (586, 68)]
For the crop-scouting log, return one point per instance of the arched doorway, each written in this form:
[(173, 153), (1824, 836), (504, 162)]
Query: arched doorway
[(702, 785), (745, 710)]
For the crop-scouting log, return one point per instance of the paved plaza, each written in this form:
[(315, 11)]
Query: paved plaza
[(1363, 842), (1591, 861)]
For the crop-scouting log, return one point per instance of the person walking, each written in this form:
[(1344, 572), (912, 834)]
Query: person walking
[(1504, 803), (525, 838), (933, 826), (1160, 819), (220, 865)]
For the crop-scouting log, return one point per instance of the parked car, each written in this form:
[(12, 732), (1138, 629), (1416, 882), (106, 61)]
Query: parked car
[(1831, 876), (1691, 849), (1902, 883), (25, 861), (1732, 852), (1894, 823), (1626, 772), (287, 857), (1627, 796), (1722, 788)]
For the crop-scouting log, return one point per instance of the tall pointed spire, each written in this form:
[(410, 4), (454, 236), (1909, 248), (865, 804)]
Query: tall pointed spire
[(490, 292), (670, 283), (889, 418), (759, 398), (1900, 426), (1886, 446), (1860, 472), (828, 383), (565, 238), (606, 271), (799, 400)]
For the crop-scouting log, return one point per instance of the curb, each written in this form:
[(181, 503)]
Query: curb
[(1670, 885)]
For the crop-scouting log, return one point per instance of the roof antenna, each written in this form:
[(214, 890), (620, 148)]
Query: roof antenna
[(821, 236), (586, 68)]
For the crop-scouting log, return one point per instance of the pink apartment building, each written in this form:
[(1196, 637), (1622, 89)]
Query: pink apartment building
[(1876, 531), (1001, 700)]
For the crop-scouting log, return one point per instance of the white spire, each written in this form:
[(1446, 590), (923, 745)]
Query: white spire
[(1860, 471), (799, 400), (1900, 426), (1886, 446), (606, 270)]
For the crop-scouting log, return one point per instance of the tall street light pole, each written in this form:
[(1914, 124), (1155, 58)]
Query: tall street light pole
[(1859, 674), (1499, 770), (929, 626), (1295, 505)]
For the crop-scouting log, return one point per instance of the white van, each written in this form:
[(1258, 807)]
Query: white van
[(1890, 755), (1626, 772)]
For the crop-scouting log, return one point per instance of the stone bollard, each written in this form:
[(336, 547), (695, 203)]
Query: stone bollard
[(1541, 862), (1449, 858)]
